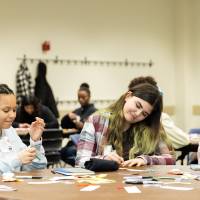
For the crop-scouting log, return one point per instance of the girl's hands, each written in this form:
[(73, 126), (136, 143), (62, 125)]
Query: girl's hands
[(27, 156), (129, 163), (36, 129), (115, 157), (134, 162)]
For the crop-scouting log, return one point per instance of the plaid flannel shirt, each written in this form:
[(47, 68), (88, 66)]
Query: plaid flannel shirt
[(93, 138), (24, 85)]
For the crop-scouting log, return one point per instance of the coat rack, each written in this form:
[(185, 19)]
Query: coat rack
[(87, 62)]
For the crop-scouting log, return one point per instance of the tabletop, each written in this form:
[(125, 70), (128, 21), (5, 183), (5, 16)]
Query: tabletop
[(115, 190)]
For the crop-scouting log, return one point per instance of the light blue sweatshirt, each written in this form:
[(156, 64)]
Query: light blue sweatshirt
[(11, 145)]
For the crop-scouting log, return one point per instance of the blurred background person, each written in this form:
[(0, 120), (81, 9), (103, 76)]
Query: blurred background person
[(75, 120), (29, 109)]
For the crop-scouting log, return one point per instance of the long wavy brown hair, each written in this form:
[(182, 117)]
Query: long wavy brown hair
[(145, 134)]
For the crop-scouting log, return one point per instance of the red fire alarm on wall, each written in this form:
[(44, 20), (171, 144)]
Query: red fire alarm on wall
[(46, 46)]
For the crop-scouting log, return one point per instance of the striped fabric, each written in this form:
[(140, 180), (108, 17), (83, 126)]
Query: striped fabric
[(93, 138)]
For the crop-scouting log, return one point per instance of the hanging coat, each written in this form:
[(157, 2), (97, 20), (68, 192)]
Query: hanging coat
[(43, 90)]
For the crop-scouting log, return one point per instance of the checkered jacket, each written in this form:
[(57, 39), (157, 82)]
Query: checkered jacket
[(24, 84), (93, 138)]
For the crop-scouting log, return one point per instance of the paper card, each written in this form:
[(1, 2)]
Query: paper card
[(176, 172), (96, 181), (42, 182), (101, 175), (59, 178), (132, 189), (9, 180), (6, 188), (68, 182), (140, 170), (177, 188), (90, 188)]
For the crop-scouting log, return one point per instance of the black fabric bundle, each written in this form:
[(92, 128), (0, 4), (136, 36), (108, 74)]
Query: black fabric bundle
[(66, 122), (100, 165)]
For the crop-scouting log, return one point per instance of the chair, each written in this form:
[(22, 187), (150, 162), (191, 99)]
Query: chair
[(52, 143), (194, 135), (185, 152)]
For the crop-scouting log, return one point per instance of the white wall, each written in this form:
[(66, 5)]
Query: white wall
[(187, 62), (182, 55), (104, 30), (194, 65)]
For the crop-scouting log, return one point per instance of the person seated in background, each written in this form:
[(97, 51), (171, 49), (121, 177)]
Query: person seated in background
[(29, 109), (76, 119), (14, 154), (177, 136), (131, 126)]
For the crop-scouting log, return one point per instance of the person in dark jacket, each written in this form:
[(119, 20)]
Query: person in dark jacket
[(43, 90), (76, 120), (31, 108)]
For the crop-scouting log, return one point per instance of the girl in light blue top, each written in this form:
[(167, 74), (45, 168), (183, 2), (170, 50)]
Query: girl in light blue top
[(14, 154)]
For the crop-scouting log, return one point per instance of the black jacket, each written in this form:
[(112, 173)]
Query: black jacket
[(43, 90), (43, 112)]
